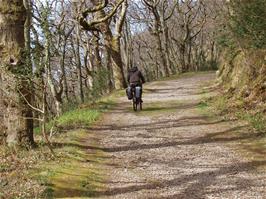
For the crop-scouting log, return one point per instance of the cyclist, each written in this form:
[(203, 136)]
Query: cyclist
[(135, 78)]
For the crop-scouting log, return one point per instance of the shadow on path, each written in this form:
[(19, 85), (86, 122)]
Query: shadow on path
[(201, 181)]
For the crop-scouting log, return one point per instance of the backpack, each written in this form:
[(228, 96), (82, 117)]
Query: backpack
[(129, 93)]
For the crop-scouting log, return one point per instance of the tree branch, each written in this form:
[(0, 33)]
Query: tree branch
[(90, 26), (95, 8)]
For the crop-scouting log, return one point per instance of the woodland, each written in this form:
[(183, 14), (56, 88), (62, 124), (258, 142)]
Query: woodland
[(59, 57)]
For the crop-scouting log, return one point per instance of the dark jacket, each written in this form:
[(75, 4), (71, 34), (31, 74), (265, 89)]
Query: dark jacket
[(135, 76)]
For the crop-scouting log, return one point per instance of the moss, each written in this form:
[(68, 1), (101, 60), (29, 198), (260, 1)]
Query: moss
[(203, 105), (242, 73), (15, 10), (77, 171)]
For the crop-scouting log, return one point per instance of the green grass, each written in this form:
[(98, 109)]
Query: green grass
[(119, 93), (78, 117), (222, 105), (83, 115), (203, 105), (257, 121), (72, 119)]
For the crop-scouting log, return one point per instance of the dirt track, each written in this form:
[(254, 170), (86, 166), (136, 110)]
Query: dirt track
[(171, 150)]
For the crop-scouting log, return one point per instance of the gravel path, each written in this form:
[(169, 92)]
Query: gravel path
[(171, 150)]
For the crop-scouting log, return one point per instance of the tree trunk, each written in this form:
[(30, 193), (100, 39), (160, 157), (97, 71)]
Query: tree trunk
[(108, 63), (157, 27), (114, 50), (127, 46), (15, 74), (189, 56), (63, 70), (57, 95), (112, 43), (183, 63), (79, 69), (166, 44), (27, 28), (118, 72)]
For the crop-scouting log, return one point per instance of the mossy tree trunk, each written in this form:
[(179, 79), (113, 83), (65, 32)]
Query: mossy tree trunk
[(15, 74), (114, 49)]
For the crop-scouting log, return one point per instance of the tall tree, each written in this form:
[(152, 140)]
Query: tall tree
[(15, 74), (101, 23)]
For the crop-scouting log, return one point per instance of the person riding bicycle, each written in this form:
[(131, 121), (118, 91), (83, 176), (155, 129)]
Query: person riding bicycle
[(135, 78)]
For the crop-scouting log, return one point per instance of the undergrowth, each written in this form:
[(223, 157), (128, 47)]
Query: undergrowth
[(78, 117), (225, 106), (257, 120), (83, 115)]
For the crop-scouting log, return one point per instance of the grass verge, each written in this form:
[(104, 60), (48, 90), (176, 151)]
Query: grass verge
[(76, 169), (236, 109), (184, 75), (252, 138)]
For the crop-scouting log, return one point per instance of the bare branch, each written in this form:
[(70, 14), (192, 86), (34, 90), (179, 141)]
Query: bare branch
[(34, 108), (91, 25), (95, 8)]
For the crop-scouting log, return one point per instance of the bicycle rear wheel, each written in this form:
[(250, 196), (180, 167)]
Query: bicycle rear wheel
[(135, 105), (140, 106)]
